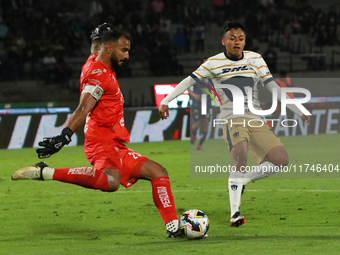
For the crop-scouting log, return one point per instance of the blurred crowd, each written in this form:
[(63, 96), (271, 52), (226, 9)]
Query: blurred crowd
[(275, 16), (41, 34)]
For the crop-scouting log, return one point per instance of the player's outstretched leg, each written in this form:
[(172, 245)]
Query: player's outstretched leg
[(204, 132), (194, 126), (203, 136), (30, 172), (88, 177), (276, 157), (162, 196), (236, 187), (236, 183)]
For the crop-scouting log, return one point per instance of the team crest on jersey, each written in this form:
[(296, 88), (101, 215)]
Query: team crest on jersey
[(251, 61), (97, 71)]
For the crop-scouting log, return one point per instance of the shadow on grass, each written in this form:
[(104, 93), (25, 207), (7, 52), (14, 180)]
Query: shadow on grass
[(57, 231), (222, 239)]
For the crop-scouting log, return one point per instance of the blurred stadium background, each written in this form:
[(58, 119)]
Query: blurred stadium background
[(44, 43)]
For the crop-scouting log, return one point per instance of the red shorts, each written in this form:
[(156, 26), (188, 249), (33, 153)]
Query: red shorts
[(112, 154)]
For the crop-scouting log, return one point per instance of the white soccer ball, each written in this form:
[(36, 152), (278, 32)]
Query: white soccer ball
[(194, 224)]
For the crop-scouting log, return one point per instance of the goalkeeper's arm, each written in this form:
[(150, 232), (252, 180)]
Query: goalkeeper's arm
[(178, 90), (78, 117), (54, 144)]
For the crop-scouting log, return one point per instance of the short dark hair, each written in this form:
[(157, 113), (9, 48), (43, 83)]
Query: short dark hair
[(114, 34), (230, 25)]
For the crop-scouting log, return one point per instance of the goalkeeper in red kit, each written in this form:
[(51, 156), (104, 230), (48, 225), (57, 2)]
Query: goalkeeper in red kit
[(101, 106)]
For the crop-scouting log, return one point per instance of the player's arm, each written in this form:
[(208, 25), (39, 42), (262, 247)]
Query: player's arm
[(202, 72), (86, 103), (91, 93), (178, 90), (54, 144), (271, 85)]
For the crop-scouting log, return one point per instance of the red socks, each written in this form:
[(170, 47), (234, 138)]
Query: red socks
[(91, 178), (162, 196), (85, 176)]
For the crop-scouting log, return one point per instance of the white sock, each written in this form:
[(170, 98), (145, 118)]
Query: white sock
[(47, 173), (172, 226), (235, 185), (262, 171)]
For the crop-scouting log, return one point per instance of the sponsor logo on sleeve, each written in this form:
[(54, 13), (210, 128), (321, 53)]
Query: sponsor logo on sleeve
[(97, 71)]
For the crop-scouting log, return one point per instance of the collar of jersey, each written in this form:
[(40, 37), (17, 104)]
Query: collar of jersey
[(101, 63), (233, 59)]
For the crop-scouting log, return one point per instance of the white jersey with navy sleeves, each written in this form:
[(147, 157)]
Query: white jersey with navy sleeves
[(246, 72)]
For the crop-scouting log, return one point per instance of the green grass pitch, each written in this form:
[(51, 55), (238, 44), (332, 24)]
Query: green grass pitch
[(284, 216)]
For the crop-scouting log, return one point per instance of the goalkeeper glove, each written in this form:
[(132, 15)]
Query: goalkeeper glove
[(98, 32), (54, 144)]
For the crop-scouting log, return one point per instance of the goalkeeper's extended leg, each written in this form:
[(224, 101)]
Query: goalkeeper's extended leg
[(162, 196), (88, 177)]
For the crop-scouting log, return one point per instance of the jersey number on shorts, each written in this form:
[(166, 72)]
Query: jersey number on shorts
[(134, 154)]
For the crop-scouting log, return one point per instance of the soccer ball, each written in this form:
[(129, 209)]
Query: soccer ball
[(194, 224)]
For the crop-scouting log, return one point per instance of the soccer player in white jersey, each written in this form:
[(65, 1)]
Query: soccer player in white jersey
[(243, 69)]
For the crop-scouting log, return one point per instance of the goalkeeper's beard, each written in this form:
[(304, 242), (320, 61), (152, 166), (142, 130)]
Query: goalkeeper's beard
[(116, 64)]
